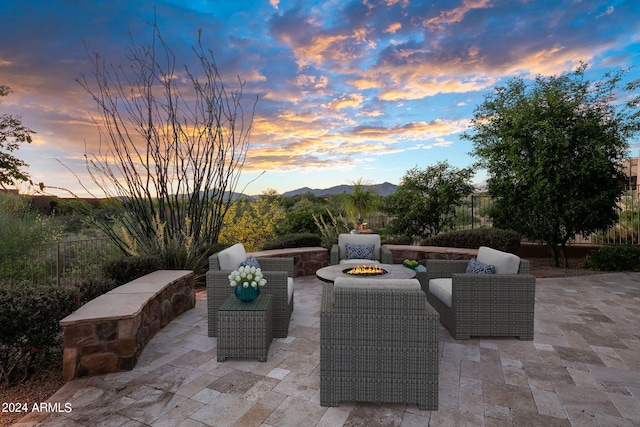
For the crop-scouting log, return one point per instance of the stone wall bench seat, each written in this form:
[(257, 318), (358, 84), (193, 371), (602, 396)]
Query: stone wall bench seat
[(306, 260), (422, 253), (108, 333)]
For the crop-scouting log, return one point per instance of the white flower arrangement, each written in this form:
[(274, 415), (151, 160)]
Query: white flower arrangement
[(246, 276)]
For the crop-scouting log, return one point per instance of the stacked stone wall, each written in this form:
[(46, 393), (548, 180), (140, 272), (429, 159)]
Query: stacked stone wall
[(97, 344)]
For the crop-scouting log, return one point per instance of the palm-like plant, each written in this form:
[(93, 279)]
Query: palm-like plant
[(362, 201)]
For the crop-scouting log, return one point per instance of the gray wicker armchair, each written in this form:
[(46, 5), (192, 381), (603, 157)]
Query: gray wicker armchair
[(378, 343), (381, 253), (482, 304), (279, 275)]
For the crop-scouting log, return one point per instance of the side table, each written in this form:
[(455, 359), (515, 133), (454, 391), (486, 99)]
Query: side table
[(245, 328)]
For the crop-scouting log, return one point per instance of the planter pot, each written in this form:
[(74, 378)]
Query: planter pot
[(247, 294)]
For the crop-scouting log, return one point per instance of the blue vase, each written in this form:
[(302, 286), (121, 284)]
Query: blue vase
[(247, 294)]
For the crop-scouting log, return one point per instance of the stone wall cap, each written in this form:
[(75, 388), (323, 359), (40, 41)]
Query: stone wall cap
[(126, 301), (109, 307), (433, 249), (287, 251)]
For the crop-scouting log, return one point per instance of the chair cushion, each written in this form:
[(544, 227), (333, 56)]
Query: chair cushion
[(289, 289), (442, 289), (359, 239), (504, 262), (251, 261), (355, 251), (476, 267), (363, 283), (359, 261), (230, 258)]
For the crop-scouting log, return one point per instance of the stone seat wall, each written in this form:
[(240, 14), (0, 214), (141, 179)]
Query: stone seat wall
[(108, 333), (422, 253), (306, 261)]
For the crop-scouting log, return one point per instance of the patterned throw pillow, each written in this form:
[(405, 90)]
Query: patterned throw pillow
[(475, 267), (251, 261), (360, 251)]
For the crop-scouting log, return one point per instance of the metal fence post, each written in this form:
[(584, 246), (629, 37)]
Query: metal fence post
[(473, 218), (58, 263)]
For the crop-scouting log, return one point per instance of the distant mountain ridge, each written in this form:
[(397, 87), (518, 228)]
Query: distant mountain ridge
[(383, 189)]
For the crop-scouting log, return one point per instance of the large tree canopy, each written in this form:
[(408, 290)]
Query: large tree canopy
[(12, 134), (424, 203), (552, 150)]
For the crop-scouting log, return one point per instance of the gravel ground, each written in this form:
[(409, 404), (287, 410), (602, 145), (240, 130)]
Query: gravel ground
[(38, 388), (43, 384)]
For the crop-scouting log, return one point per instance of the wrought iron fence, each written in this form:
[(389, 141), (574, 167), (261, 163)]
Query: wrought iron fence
[(59, 263), (475, 212)]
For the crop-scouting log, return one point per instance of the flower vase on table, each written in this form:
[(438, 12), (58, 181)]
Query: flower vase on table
[(247, 294), (247, 282)]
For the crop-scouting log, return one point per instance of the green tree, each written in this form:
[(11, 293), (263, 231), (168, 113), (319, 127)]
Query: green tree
[(299, 213), (361, 201), (552, 150), (426, 200), (12, 134)]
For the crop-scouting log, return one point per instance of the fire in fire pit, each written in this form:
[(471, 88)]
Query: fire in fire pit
[(365, 270)]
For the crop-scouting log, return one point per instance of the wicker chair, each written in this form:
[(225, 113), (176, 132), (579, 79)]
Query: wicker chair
[(279, 275), (483, 304), (378, 343), (382, 254)]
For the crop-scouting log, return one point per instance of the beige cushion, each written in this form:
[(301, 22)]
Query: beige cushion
[(230, 258), (362, 283), (359, 261), (504, 262), (289, 289), (442, 289), (359, 239)]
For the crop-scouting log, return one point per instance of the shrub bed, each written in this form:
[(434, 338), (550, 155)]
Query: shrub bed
[(30, 334), (614, 258), (294, 240), (29, 328), (503, 240)]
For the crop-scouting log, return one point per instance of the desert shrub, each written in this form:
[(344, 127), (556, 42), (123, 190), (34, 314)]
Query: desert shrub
[(29, 326), (251, 222), (93, 287), (614, 258), (330, 231), (22, 227), (294, 240), (397, 240), (130, 268), (503, 240)]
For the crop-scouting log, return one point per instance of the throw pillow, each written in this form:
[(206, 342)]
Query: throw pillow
[(251, 261), (476, 267), (360, 251)]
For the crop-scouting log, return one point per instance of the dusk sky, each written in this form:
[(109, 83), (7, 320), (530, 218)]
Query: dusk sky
[(346, 90)]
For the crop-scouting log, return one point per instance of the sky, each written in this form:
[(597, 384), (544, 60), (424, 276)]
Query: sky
[(347, 90)]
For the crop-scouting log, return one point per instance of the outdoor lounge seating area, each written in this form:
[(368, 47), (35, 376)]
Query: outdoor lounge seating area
[(474, 303), (581, 369), (378, 343)]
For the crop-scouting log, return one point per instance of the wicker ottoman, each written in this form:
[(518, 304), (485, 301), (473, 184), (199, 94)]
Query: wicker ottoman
[(245, 328)]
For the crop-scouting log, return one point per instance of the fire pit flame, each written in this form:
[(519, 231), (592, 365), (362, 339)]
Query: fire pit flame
[(366, 270)]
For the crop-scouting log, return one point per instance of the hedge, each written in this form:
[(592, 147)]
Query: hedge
[(503, 240)]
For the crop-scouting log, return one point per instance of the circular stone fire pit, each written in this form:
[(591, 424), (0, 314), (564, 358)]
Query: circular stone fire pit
[(365, 271)]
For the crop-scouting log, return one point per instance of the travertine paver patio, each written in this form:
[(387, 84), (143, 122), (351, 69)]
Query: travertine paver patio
[(582, 369)]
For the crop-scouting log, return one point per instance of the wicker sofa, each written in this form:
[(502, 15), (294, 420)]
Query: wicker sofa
[(381, 254), (500, 304), (277, 271), (378, 343)]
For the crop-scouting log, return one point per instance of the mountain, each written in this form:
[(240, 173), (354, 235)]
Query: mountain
[(383, 189)]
